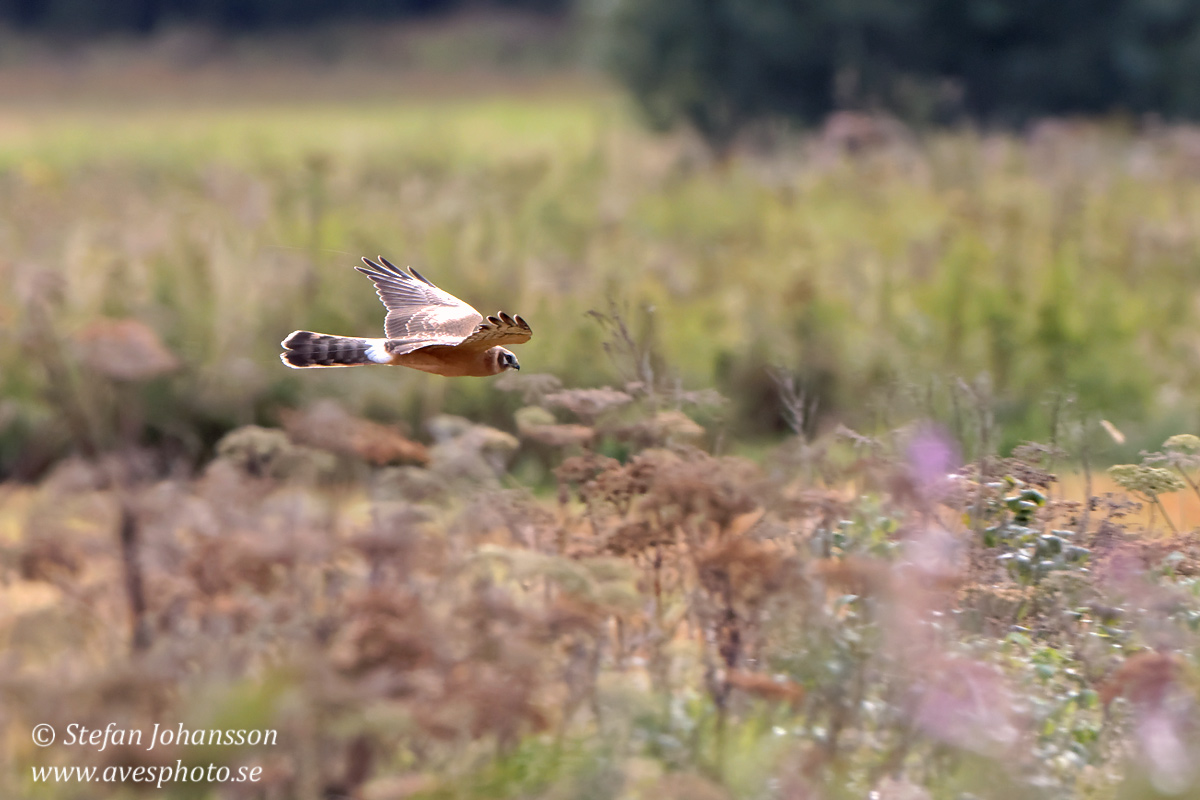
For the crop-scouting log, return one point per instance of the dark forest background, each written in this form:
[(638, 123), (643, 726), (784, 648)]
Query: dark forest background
[(146, 16), (717, 65)]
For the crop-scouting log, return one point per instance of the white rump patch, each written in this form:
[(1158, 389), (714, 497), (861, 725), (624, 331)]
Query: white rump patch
[(377, 351)]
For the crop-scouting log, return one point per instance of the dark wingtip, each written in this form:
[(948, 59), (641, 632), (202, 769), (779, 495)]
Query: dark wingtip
[(420, 277), (386, 269), (379, 270), (391, 269)]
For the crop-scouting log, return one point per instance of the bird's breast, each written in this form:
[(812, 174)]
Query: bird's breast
[(450, 362)]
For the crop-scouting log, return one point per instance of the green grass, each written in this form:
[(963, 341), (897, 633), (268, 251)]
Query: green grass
[(1063, 265)]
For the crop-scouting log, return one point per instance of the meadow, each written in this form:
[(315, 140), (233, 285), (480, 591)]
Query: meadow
[(1058, 263), (800, 492)]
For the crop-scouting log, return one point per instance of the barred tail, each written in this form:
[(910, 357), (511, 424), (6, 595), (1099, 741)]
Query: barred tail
[(308, 349)]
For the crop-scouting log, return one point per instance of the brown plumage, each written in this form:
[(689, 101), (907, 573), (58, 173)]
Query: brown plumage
[(426, 329)]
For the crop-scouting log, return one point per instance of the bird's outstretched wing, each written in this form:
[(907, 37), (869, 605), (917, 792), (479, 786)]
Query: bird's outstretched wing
[(419, 313), (498, 330)]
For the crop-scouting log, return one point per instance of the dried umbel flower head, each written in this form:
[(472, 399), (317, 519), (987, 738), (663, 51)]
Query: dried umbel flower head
[(1181, 453), (394, 537), (581, 471), (488, 698), (664, 428), (637, 537), (561, 435), (255, 449), (269, 453), (124, 350), (469, 451), (739, 567), (588, 404), (538, 425), (532, 387), (578, 469), (714, 489), (533, 417), (1019, 469), (1037, 453), (1148, 481), (219, 565), (1183, 442), (384, 630), (619, 485), (328, 426), (407, 483)]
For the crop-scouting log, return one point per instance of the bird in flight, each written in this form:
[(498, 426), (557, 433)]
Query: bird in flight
[(426, 329)]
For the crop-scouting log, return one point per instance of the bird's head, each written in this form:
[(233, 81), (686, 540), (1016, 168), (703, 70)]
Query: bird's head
[(505, 360)]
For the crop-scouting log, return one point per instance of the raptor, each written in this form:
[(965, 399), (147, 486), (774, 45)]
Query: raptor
[(426, 328)]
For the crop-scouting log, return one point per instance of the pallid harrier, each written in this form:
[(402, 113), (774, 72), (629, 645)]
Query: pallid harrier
[(426, 329)]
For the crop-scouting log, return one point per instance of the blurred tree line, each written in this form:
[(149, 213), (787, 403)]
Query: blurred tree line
[(84, 17), (718, 65)]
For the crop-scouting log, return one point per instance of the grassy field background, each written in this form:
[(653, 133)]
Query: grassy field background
[(224, 211), (789, 553)]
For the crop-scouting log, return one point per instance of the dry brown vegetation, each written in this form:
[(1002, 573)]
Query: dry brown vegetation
[(675, 623)]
